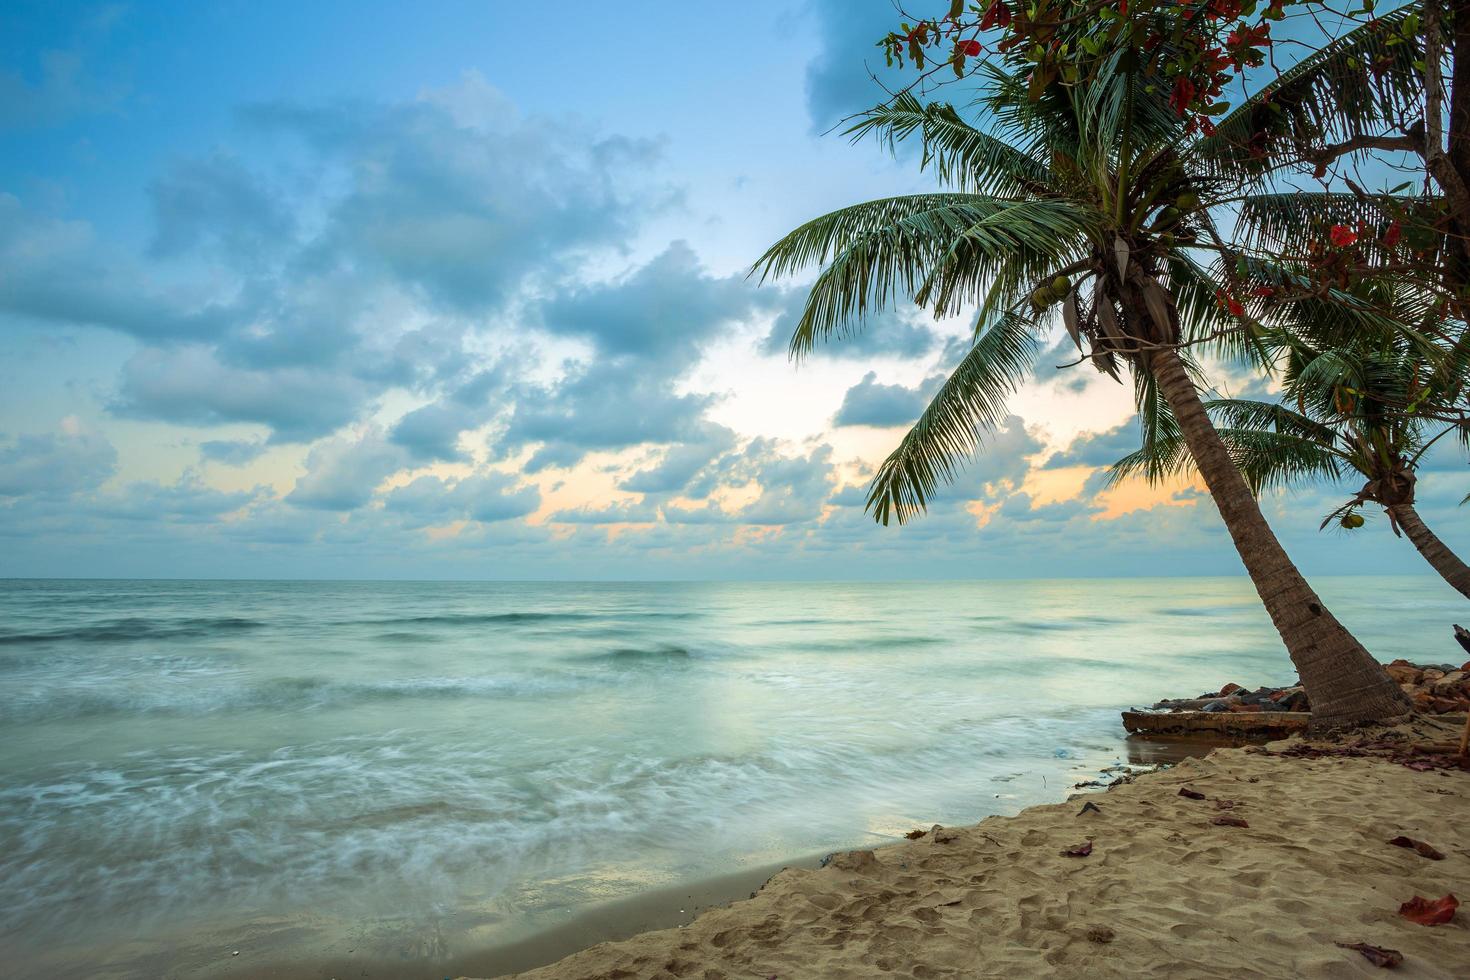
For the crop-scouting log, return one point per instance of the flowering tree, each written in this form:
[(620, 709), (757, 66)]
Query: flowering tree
[(1088, 193)]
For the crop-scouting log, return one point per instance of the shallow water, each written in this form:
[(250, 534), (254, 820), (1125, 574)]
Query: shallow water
[(446, 765)]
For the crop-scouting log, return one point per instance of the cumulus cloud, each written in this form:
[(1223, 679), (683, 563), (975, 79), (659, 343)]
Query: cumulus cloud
[(488, 497), (218, 203), (1098, 448), (55, 464), (681, 463), (342, 473), (885, 333), (839, 79), (871, 403), (191, 386)]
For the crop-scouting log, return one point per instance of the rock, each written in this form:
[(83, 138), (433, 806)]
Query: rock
[(1449, 685), (1215, 706), (1246, 707), (1403, 673), (1443, 706), (1230, 689), (1431, 674)]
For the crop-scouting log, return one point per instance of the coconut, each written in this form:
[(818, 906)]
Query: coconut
[(1187, 201)]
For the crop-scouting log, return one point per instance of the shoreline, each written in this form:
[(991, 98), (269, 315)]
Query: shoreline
[(1171, 889), (676, 906)]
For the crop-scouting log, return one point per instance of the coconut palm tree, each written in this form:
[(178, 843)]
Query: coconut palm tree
[(1088, 199), (1370, 399)]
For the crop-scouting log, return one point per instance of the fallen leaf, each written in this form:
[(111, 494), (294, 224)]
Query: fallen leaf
[(1100, 934), (915, 834), (1089, 806), (1229, 821), (1078, 850), (1424, 850), (1224, 804), (1430, 913), (1377, 955), (1191, 794)]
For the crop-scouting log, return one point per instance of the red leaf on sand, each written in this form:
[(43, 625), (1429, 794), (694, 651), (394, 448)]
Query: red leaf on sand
[(1229, 821), (1425, 850), (1191, 794), (1377, 955), (1430, 913), (1078, 850)]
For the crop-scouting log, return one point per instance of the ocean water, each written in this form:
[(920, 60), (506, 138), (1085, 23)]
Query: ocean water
[(428, 768)]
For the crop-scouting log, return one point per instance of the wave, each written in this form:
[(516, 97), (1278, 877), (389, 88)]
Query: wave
[(477, 619), (667, 653), (278, 694), (135, 628)]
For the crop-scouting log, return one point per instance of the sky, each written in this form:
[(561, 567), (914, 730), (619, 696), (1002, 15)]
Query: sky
[(459, 290)]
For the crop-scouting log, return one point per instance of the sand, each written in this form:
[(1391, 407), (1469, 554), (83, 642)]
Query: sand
[(1164, 893)]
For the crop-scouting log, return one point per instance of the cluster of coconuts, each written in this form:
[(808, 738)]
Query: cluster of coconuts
[(1048, 293), (1170, 216), (1351, 521)]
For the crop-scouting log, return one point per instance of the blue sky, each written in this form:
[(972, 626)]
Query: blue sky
[(436, 290)]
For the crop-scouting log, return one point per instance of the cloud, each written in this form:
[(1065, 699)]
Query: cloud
[(870, 403), (65, 88), (489, 497), (647, 329), (216, 202), (232, 452), (432, 431), (681, 463), (55, 464), (190, 386), (621, 512), (57, 272), (460, 196), (187, 501), (885, 333), (1098, 448), (342, 473), (839, 78)]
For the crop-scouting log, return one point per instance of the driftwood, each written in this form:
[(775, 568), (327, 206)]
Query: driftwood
[(1246, 724)]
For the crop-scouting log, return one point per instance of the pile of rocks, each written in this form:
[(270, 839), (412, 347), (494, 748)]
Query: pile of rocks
[(1233, 697), (1435, 689)]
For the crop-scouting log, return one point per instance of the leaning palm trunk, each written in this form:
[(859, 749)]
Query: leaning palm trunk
[(1446, 562), (1347, 686)]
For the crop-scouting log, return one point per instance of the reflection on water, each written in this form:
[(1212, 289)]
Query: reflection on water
[(453, 765)]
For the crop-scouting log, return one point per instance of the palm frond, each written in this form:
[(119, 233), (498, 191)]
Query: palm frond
[(962, 156), (1360, 83), (971, 402), (942, 250)]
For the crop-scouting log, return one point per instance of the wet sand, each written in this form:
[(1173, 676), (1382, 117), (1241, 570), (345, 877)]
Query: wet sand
[(1169, 888)]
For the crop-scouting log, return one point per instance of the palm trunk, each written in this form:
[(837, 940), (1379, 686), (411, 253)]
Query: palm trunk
[(1445, 561), (1346, 685)]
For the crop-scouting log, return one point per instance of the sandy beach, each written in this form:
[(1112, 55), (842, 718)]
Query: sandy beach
[(1283, 858)]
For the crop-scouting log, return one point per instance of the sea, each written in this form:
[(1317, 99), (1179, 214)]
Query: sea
[(197, 775)]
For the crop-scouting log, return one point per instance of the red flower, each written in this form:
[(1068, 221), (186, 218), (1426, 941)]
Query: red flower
[(1393, 234), (969, 48), (1263, 292), (1342, 236), (996, 15), (1229, 302), (1182, 95)]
